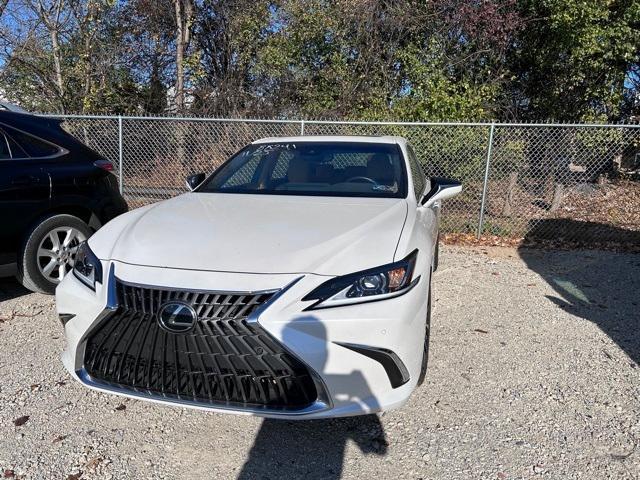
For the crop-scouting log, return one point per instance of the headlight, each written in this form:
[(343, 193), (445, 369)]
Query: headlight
[(378, 283), (87, 267)]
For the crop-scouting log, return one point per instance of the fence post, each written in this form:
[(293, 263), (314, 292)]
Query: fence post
[(301, 127), (486, 179), (120, 177)]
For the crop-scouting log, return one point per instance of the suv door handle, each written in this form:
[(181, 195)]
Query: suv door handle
[(25, 180)]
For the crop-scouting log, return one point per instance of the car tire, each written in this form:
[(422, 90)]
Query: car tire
[(425, 350), (32, 265)]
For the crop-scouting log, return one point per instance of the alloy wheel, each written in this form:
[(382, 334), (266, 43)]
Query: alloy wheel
[(57, 252)]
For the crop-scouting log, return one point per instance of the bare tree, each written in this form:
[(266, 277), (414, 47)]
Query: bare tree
[(32, 33), (86, 16), (184, 23), (51, 16)]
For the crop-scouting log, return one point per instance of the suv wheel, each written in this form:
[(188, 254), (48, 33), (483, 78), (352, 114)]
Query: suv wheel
[(49, 252), (425, 351)]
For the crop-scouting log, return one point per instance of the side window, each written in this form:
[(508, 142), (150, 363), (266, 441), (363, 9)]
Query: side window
[(16, 150), (417, 174), (30, 146), (5, 151)]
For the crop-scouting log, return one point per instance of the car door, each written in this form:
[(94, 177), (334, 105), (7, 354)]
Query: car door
[(24, 194)]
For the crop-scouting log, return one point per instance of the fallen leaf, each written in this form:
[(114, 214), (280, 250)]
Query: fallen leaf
[(18, 422), (9, 473), (74, 476), (59, 438), (538, 468), (495, 273), (93, 463), (479, 330), (121, 407)]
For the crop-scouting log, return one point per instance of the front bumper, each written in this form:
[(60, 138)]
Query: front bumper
[(329, 342)]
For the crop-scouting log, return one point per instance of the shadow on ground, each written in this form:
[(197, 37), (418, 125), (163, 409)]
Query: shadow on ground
[(312, 449), (599, 286), (583, 234), (10, 289)]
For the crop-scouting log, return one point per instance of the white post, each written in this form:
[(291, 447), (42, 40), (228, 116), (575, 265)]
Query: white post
[(301, 127), (120, 158), (486, 180)]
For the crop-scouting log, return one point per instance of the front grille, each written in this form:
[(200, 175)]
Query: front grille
[(224, 360)]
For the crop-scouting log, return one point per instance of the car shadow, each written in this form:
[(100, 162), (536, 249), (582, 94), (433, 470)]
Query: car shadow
[(581, 234), (315, 449), (10, 288), (600, 286), (310, 449)]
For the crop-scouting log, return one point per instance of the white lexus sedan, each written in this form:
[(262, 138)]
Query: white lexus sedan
[(293, 282)]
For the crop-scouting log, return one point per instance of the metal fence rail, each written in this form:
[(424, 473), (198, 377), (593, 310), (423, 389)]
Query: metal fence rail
[(518, 179)]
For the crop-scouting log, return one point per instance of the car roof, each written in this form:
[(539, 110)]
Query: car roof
[(11, 107), (46, 128), (335, 138), (27, 121)]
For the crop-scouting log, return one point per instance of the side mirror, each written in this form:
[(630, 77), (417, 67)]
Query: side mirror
[(441, 189), (194, 180)]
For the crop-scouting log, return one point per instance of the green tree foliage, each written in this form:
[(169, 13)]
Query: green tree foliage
[(572, 57), (367, 59), (453, 65), (229, 35), (330, 58)]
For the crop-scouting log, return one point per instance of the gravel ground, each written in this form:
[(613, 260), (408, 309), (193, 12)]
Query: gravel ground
[(533, 373)]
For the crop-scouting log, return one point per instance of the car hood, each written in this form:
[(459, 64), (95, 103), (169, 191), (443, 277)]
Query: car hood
[(256, 233)]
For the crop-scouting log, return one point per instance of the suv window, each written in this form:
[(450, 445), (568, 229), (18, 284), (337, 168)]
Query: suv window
[(417, 174), (5, 151), (29, 146)]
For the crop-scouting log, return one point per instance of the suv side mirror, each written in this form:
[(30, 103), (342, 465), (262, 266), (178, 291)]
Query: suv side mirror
[(441, 189), (194, 180)]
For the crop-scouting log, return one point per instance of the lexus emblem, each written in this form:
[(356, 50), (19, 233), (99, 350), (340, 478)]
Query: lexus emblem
[(177, 317)]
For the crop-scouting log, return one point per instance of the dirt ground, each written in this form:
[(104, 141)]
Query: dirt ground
[(533, 374)]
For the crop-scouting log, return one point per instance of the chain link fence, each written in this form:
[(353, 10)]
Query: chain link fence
[(550, 181)]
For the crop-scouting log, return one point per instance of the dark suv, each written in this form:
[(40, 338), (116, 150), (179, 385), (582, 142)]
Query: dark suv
[(54, 193)]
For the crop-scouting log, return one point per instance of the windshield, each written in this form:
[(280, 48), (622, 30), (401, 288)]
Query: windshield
[(342, 169)]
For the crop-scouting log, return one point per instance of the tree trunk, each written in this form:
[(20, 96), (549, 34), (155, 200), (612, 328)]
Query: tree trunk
[(87, 33), (184, 13), (57, 64), (179, 93), (508, 202), (52, 23)]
